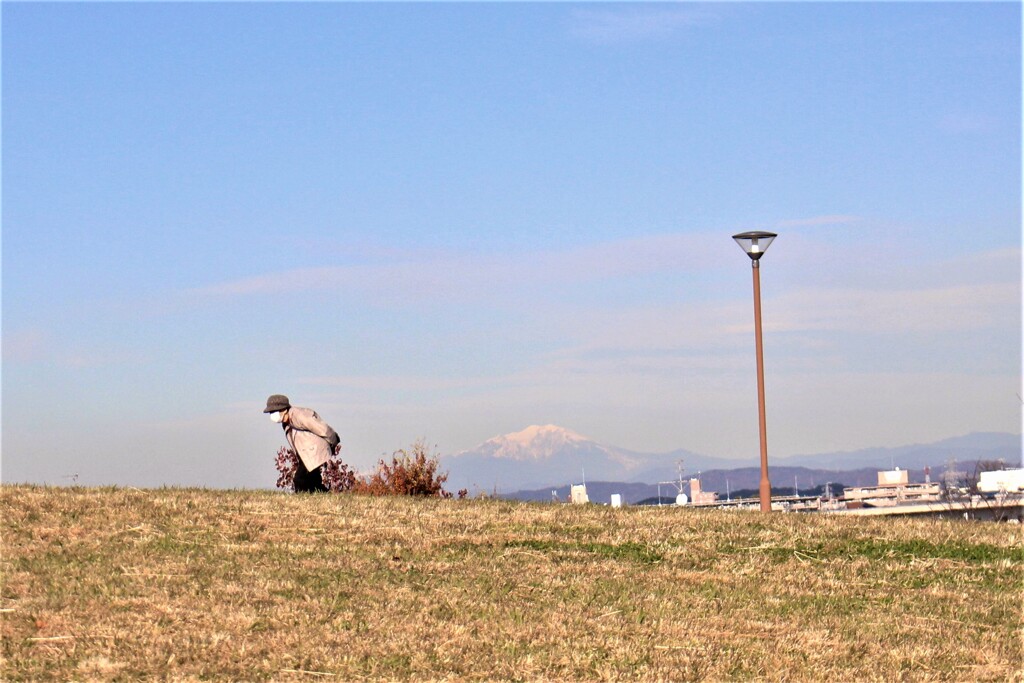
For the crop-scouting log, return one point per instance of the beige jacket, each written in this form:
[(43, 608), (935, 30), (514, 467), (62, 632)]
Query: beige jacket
[(310, 437)]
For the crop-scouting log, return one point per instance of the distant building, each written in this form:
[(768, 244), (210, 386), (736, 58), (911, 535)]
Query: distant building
[(698, 497), (578, 494), (893, 488), (894, 477), (1001, 481)]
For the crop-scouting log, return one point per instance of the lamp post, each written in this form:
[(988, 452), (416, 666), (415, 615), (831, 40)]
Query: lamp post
[(754, 244)]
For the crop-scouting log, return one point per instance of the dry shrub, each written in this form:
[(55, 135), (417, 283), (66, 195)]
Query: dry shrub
[(337, 476), (415, 472), (410, 473), (287, 465)]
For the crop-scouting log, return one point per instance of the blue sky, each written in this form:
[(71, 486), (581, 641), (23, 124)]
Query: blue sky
[(450, 221)]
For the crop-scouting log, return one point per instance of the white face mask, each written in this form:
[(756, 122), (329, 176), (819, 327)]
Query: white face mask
[(276, 417)]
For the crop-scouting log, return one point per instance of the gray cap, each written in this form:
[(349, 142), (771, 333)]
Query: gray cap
[(277, 403)]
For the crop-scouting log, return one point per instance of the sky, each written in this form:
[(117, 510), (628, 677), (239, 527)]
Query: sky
[(449, 221)]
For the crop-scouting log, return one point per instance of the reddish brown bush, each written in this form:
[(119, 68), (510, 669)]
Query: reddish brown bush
[(287, 464), (410, 473), (337, 476)]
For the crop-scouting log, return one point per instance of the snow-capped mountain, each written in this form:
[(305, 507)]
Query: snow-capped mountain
[(538, 443), (541, 455)]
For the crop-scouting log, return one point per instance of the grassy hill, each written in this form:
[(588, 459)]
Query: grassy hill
[(173, 584)]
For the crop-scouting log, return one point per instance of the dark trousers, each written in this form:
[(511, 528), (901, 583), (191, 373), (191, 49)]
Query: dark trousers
[(309, 482)]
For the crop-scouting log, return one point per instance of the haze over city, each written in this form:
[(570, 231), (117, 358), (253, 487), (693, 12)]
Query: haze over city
[(452, 221)]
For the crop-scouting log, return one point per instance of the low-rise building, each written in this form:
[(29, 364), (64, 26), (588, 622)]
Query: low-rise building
[(893, 488), (698, 497), (1001, 481)]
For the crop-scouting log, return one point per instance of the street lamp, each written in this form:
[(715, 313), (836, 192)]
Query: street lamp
[(754, 244)]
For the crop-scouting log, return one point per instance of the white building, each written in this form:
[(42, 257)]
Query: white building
[(997, 481)]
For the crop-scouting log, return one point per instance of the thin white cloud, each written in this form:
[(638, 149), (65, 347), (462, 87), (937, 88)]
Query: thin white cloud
[(453, 276), (942, 309), (694, 326), (402, 383), (634, 24), (38, 345), (723, 325), (468, 277), (960, 123), (818, 221)]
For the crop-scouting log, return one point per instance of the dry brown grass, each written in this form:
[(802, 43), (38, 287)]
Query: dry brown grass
[(115, 584)]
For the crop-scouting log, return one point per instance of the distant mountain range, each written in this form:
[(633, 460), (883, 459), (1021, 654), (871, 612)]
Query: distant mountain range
[(545, 458)]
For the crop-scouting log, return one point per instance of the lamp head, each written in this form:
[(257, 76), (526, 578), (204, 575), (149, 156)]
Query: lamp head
[(754, 243)]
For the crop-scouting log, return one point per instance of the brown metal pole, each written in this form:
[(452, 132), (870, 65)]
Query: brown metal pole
[(765, 487)]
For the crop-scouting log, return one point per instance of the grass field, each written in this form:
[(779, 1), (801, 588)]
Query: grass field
[(174, 584)]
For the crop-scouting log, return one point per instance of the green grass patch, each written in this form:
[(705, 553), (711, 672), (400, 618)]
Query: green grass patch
[(901, 550)]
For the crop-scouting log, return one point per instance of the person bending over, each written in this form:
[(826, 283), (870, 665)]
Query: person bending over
[(309, 436)]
